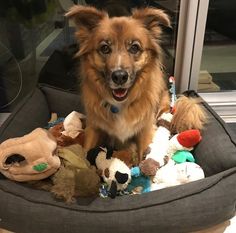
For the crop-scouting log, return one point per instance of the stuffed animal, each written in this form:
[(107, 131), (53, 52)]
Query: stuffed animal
[(166, 152), (163, 148), (70, 130), (182, 156), (73, 124), (36, 156), (185, 140), (158, 148), (175, 174), (114, 172), (75, 177), (139, 183), (37, 151)]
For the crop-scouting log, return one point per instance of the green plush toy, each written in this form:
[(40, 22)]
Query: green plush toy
[(182, 156)]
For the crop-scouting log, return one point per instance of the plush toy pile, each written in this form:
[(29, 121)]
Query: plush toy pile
[(54, 159)]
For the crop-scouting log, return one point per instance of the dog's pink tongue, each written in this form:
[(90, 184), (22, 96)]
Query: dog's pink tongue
[(120, 92)]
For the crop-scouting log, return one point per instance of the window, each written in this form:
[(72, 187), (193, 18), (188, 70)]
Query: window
[(208, 51), (34, 33)]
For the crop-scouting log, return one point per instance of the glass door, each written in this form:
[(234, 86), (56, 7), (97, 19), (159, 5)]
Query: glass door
[(217, 76), (207, 61), (37, 43), (218, 63)]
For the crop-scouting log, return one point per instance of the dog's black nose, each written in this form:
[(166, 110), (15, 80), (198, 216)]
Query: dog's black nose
[(119, 77)]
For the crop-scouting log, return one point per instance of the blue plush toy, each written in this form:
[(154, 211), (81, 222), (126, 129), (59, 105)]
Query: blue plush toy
[(139, 182)]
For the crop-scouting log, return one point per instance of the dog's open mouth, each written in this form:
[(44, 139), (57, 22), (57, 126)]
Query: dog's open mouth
[(119, 94)]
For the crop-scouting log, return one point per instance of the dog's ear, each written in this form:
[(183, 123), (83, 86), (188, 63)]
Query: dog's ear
[(152, 19), (86, 17)]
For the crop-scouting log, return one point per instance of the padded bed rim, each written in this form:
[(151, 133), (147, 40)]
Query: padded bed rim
[(136, 202)]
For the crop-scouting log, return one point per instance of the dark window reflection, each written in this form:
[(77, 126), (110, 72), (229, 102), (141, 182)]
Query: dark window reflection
[(218, 66), (39, 43)]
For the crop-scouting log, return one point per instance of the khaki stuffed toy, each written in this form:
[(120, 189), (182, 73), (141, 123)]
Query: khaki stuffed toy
[(38, 150), (76, 177)]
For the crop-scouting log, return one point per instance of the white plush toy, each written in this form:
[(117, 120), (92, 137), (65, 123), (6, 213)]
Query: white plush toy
[(160, 142), (115, 172), (174, 174), (73, 124), (163, 148)]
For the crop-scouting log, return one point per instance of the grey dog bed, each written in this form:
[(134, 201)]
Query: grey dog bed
[(183, 208)]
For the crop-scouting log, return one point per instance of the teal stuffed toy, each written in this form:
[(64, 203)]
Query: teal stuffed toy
[(182, 156), (139, 182)]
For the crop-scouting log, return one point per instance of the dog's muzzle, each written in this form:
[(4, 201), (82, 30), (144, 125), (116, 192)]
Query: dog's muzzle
[(119, 77), (120, 83)]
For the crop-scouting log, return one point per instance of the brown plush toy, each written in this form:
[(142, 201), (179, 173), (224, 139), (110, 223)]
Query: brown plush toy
[(38, 156), (63, 140), (75, 178), (69, 183)]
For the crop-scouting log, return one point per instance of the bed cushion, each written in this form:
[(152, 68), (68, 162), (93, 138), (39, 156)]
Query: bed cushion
[(32, 112), (216, 152), (183, 208)]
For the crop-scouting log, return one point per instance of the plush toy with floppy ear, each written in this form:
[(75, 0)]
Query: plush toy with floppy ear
[(37, 151), (163, 148), (114, 172)]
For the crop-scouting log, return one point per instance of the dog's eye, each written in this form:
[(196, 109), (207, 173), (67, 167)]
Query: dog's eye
[(105, 49), (134, 48)]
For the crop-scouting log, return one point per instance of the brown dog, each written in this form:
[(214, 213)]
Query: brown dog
[(123, 88)]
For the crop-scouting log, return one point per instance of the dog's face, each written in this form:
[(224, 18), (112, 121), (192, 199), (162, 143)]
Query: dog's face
[(118, 49)]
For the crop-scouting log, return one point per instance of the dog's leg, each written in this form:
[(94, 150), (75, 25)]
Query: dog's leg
[(92, 137), (143, 139)]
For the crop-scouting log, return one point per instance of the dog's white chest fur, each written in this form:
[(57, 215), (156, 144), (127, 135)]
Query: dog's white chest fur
[(120, 127), (124, 130)]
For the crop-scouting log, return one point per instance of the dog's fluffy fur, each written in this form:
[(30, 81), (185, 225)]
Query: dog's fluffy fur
[(121, 67)]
